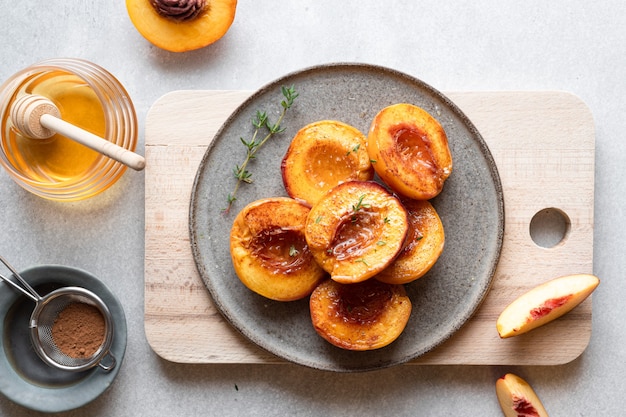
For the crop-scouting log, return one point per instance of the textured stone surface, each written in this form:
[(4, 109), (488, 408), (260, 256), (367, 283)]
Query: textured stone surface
[(574, 46)]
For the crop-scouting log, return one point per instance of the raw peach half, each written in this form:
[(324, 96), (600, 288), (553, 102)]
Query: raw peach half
[(424, 244), (409, 150), (183, 26), (545, 303), (322, 155), (364, 316), (356, 230), (269, 251)]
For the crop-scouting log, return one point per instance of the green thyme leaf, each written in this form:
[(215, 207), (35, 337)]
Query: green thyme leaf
[(260, 122)]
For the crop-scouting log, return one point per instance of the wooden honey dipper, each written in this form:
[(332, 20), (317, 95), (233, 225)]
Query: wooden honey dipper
[(37, 117)]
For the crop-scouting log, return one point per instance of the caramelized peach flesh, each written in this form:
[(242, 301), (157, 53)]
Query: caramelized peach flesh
[(322, 155), (545, 303), (517, 398), (409, 150), (364, 316), (356, 230), (269, 251), (424, 244), (172, 35)]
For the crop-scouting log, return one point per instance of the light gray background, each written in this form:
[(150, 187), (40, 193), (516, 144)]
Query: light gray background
[(576, 46)]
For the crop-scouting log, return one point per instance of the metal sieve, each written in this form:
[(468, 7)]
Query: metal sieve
[(46, 311)]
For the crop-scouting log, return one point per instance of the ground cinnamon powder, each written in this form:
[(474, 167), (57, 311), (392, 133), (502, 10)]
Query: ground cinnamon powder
[(78, 330)]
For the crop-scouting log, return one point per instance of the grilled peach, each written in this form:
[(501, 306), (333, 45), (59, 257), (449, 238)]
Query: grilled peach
[(364, 316), (356, 230), (269, 250), (183, 26), (423, 247), (322, 155), (409, 150)]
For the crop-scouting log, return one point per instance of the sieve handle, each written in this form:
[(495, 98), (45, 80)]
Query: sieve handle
[(17, 287), (27, 290), (110, 364)]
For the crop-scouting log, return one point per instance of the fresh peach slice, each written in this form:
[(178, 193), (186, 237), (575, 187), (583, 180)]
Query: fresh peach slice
[(322, 155), (517, 398), (545, 303), (356, 230), (424, 244), (364, 316), (409, 151), (269, 251)]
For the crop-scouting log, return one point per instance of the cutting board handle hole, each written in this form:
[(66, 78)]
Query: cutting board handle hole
[(550, 227)]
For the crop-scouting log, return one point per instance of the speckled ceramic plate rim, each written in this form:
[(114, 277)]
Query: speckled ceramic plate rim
[(231, 305), (96, 382)]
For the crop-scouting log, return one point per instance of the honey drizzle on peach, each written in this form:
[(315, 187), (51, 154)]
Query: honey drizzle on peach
[(414, 147), (414, 235), (361, 303), (355, 233), (281, 250)]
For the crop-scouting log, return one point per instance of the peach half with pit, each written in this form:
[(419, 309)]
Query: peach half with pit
[(269, 251), (517, 398), (424, 244), (356, 230), (545, 303), (183, 25), (409, 151), (364, 316), (322, 155)]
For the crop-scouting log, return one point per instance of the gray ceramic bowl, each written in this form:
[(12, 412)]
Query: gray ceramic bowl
[(24, 377)]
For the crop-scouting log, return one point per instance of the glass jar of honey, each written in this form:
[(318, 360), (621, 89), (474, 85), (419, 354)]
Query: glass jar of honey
[(87, 96)]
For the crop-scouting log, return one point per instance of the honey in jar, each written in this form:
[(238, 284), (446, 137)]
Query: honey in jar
[(88, 97), (58, 158)]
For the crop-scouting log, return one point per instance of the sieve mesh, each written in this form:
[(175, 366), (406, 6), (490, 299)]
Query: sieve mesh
[(42, 322), (46, 311)]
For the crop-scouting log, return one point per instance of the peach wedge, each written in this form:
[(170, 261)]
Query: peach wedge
[(545, 303), (517, 398)]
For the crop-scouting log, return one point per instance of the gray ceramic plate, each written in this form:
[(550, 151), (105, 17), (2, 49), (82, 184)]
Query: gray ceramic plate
[(471, 207), (24, 378)]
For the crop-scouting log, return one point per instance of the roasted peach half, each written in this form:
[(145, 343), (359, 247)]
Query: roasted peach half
[(322, 155), (364, 316), (409, 150), (356, 230), (269, 251), (181, 25), (423, 247)]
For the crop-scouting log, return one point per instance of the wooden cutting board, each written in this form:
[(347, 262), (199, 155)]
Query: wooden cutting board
[(543, 144)]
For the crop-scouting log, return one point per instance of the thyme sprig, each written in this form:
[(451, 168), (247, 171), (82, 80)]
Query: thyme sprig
[(358, 206), (261, 123)]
